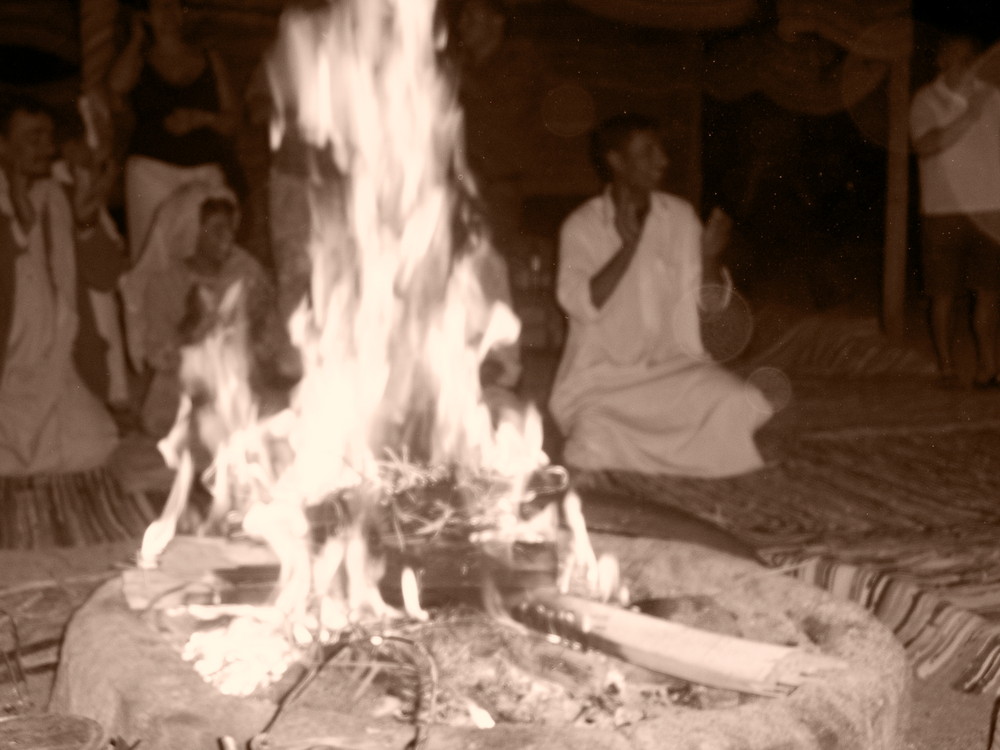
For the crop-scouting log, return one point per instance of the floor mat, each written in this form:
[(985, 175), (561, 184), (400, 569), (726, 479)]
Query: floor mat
[(884, 490)]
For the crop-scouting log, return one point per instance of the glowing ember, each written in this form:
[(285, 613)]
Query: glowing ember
[(392, 333)]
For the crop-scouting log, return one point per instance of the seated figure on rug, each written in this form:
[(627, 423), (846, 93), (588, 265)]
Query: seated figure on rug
[(635, 389), (191, 261), (56, 244)]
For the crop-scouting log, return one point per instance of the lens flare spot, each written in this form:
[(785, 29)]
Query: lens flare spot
[(774, 385), (568, 111), (725, 323)]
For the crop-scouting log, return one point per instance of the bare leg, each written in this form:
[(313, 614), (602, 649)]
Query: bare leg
[(942, 319), (984, 324)]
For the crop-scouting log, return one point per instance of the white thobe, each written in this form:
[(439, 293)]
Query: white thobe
[(635, 389)]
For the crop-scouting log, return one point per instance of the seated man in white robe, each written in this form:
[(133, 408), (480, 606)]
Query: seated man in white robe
[(635, 389)]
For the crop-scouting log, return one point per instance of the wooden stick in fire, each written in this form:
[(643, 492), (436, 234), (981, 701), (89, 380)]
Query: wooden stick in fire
[(707, 658)]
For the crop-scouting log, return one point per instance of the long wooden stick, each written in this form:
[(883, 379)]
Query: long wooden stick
[(670, 648)]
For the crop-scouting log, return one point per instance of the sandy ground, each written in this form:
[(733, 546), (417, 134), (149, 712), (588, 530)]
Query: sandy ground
[(40, 589), (944, 719)]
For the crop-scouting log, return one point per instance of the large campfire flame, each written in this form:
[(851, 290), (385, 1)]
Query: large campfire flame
[(394, 328)]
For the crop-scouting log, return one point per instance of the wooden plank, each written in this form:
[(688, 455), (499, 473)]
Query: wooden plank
[(188, 561), (712, 659)]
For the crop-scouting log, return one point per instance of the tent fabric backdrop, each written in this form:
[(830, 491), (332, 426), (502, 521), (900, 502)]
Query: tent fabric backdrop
[(693, 15)]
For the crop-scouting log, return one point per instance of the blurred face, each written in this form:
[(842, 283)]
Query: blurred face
[(956, 54), (216, 237), (641, 164), (480, 28), (28, 146), (166, 17)]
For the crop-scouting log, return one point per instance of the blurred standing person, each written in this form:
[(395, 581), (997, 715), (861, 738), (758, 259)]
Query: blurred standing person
[(286, 185), (56, 242), (104, 367), (498, 91), (635, 389), (185, 113), (955, 128)]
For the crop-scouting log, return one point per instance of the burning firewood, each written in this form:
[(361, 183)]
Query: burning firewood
[(392, 336), (217, 415), (700, 656)]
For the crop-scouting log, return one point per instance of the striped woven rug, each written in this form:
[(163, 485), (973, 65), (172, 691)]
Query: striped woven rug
[(891, 523), (880, 487), (69, 510)]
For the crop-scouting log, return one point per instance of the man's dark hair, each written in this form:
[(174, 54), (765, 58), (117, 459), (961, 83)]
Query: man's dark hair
[(613, 135), (211, 206), (11, 103), (949, 36)]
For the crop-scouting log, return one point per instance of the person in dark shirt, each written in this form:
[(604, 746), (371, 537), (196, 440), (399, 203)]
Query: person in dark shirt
[(184, 110), (499, 91), (500, 100)]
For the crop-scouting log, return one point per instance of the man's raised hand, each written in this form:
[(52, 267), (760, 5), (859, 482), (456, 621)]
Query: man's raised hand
[(629, 219), (718, 230)]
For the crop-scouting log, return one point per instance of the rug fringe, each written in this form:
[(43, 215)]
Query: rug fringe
[(69, 510)]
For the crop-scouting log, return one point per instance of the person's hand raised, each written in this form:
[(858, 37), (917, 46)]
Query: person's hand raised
[(718, 230), (629, 218), (92, 181)]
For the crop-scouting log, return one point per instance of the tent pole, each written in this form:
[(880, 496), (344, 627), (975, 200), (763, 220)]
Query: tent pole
[(897, 201)]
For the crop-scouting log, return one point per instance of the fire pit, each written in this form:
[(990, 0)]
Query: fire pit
[(388, 440), (117, 669)]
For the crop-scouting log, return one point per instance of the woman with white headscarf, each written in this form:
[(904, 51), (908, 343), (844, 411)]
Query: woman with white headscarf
[(190, 246)]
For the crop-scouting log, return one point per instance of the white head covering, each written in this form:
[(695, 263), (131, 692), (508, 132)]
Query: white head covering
[(173, 236)]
